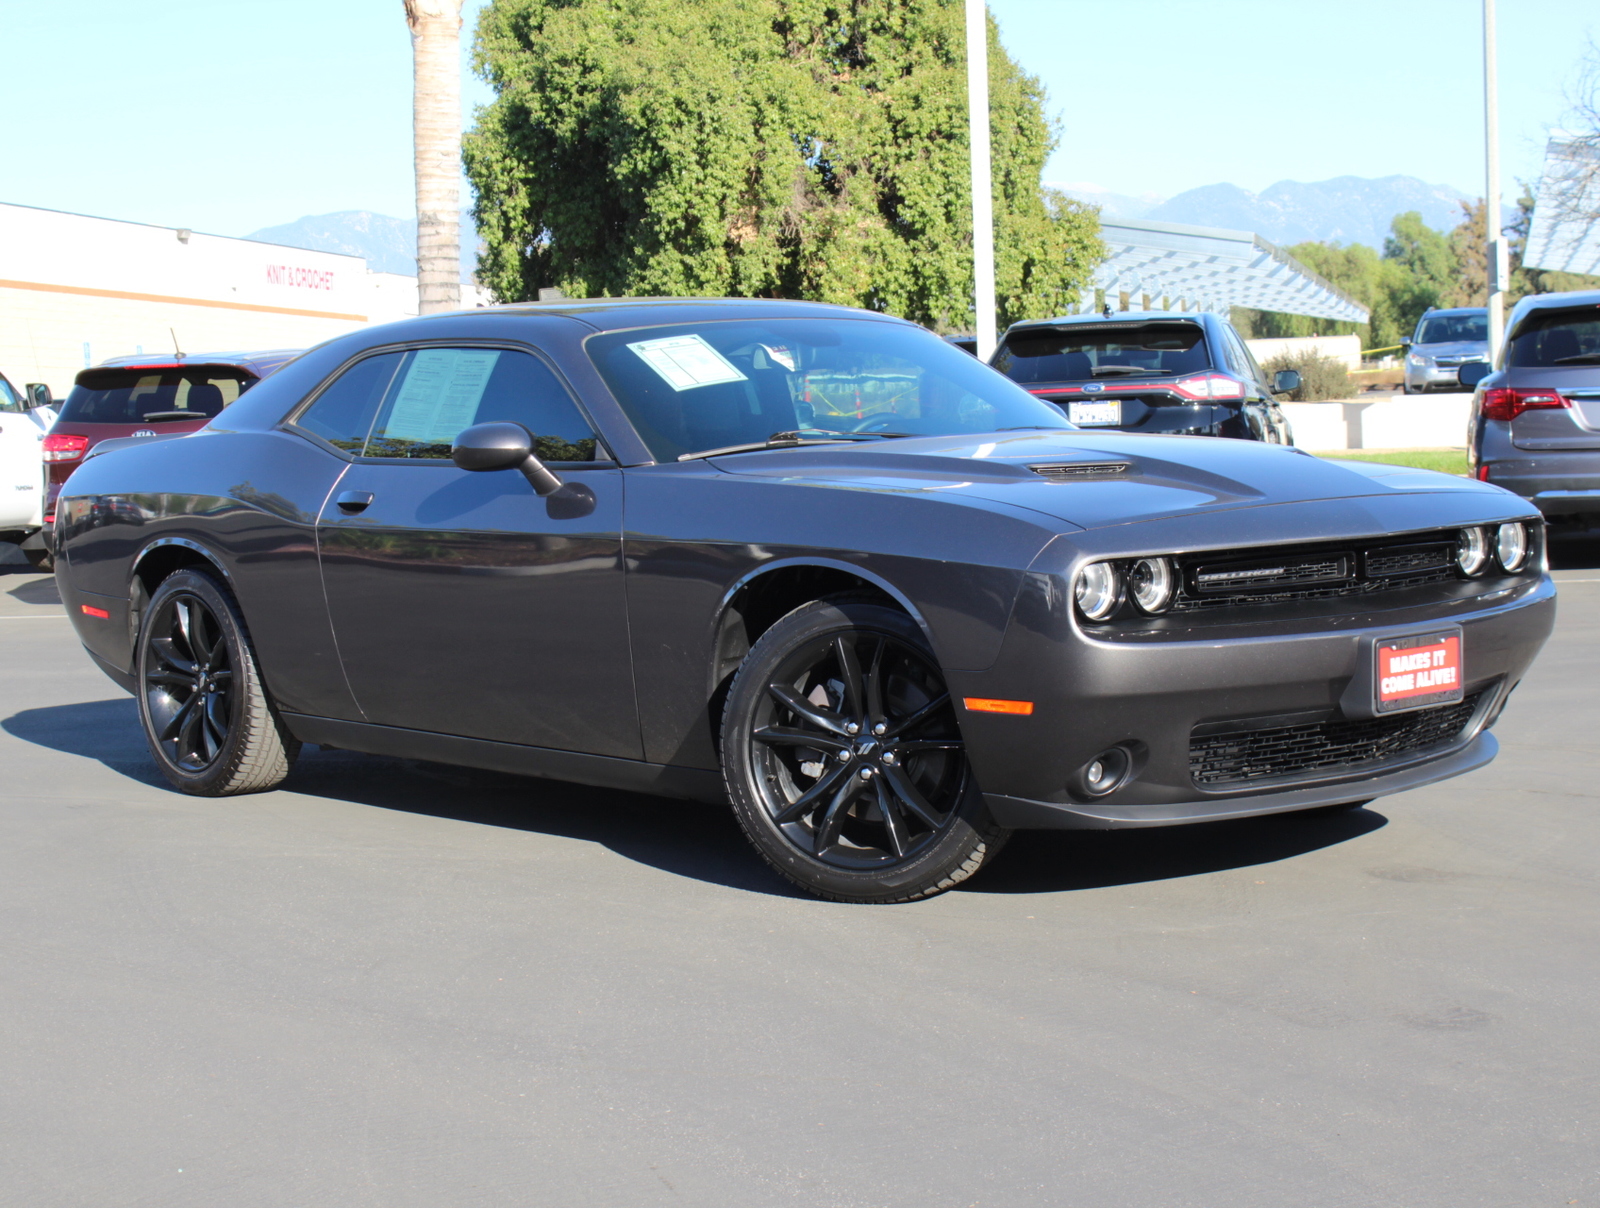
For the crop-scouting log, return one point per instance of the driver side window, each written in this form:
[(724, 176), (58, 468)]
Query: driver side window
[(438, 392)]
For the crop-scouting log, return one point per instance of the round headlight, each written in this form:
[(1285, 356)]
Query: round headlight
[(1472, 551), (1511, 545), (1152, 584), (1099, 590)]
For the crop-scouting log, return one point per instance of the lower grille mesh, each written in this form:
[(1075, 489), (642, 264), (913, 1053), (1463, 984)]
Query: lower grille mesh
[(1324, 746)]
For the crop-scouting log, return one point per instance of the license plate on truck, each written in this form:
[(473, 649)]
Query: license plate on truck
[(1095, 413), (1415, 672)]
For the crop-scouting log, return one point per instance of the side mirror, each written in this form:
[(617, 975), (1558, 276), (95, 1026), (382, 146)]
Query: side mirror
[(1473, 372), (1285, 381), (1405, 343), (503, 446), (39, 395)]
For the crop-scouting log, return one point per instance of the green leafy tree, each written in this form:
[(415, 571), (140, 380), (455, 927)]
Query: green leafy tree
[(760, 148)]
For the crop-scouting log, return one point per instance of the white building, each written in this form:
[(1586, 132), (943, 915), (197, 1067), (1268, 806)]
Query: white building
[(76, 290)]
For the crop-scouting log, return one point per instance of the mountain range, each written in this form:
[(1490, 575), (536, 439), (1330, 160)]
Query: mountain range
[(1346, 209), (388, 244)]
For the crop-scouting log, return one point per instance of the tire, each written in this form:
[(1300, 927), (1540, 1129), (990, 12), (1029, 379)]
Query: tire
[(888, 813), (206, 716), (39, 559)]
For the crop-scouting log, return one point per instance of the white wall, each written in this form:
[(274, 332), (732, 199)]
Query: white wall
[(1341, 348), (1404, 421), (76, 289)]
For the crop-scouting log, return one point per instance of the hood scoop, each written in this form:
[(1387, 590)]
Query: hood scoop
[(1073, 471)]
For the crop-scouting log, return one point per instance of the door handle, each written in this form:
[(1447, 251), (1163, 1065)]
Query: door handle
[(351, 502)]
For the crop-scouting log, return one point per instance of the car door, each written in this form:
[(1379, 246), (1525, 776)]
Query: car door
[(463, 603)]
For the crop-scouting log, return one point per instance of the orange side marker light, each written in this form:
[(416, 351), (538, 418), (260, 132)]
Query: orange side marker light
[(95, 612), (982, 704)]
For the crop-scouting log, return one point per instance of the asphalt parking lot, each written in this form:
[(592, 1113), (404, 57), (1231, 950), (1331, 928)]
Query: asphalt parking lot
[(399, 984)]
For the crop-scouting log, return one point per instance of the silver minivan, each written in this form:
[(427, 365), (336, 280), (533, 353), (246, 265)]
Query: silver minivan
[(1535, 426)]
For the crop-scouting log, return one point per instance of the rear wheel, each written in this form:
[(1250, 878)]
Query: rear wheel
[(206, 716), (844, 760), (39, 559)]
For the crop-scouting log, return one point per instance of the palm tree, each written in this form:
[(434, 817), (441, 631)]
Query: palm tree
[(436, 135)]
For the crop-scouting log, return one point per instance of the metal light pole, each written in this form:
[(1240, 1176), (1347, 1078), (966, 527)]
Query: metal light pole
[(1491, 191), (982, 196)]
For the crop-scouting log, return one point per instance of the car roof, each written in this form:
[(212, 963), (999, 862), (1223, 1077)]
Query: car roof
[(258, 363), (1120, 318), (1456, 310), (616, 314), (1562, 301)]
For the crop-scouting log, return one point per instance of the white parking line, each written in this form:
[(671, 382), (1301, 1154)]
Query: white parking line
[(34, 616)]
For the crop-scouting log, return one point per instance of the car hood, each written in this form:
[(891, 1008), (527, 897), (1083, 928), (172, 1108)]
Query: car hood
[(1164, 475), (1454, 348)]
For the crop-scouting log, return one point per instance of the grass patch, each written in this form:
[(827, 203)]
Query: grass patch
[(1448, 461)]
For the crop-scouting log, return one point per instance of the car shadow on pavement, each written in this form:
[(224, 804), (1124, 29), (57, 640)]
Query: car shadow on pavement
[(1057, 861), (682, 837), (691, 839), (39, 589)]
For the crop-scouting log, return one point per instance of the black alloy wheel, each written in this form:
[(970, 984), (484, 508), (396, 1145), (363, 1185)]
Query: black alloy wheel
[(845, 761), (206, 717)]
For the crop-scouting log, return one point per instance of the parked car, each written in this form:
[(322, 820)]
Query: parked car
[(1148, 371), (22, 432), (1445, 340), (644, 544), (1535, 426), (146, 396)]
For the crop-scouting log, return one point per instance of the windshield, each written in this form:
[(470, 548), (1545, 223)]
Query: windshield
[(1070, 354), (712, 385), (1558, 337), (1449, 329), (136, 396)]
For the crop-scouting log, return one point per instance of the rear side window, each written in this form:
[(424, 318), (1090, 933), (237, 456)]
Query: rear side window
[(1068, 354), (143, 396), (437, 392), (342, 414), (1558, 337)]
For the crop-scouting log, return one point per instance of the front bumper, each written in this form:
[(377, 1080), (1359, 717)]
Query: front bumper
[(1148, 692), (1024, 814), (1435, 377)]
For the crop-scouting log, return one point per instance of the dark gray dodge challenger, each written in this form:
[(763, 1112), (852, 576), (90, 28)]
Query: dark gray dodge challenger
[(810, 561)]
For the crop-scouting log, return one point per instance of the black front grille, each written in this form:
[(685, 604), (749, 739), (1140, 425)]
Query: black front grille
[(1409, 560), (1279, 752), (1273, 573)]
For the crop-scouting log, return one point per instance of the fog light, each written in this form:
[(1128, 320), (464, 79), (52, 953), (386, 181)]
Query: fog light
[(1106, 771), (1472, 552), (1099, 590), (1152, 584), (1511, 546)]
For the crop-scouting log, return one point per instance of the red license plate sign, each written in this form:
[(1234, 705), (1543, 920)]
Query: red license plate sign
[(1418, 671)]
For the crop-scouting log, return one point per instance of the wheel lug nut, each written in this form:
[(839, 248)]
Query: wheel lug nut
[(844, 756), (852, 728), (880, 729), (866, 773), (888, 758)]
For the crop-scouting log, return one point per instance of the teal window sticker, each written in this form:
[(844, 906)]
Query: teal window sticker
[(440, 394), (684, 362)]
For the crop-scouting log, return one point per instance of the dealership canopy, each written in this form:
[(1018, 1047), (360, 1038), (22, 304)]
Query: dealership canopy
[(1564, 235), (1201, 268)]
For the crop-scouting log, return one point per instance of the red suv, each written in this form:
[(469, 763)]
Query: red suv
[(147, 396)]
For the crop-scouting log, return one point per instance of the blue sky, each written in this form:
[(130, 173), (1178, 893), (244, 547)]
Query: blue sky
[(229, 115)]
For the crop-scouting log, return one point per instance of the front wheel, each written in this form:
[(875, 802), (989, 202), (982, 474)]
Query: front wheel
[(844, 760), (206, 716)]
